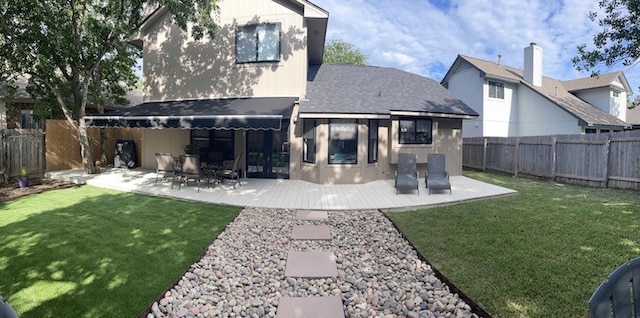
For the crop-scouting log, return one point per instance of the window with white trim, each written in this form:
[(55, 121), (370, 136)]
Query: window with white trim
[(496, 90), (258, 43)]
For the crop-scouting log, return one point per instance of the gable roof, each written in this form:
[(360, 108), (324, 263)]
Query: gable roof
[(350, 89), (551, 89), (633, 116), (614, 79), (316, 20)]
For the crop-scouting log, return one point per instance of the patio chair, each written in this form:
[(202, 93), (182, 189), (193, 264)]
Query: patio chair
[(436, 176), (619, 294), (165, 166), (233, 173), (190, 169), (407, 174)]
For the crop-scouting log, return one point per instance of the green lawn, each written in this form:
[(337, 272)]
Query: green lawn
[(90, 252), (540, 253)]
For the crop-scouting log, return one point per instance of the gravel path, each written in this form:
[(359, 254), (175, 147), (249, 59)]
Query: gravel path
[(242, 273)]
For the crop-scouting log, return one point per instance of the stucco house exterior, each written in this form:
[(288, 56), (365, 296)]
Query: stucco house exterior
[(259, 89), (522, 102)]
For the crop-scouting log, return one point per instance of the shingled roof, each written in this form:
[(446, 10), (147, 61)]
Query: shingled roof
[(597, 81), (350, 89), (551, 89)]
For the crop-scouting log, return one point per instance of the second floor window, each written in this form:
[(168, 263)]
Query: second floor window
[(258, 43), (496, 90)]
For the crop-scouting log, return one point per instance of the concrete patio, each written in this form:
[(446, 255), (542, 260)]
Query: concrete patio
[(289, 194)]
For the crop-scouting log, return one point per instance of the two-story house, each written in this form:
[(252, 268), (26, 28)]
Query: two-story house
[(516, 102), (259, 89)]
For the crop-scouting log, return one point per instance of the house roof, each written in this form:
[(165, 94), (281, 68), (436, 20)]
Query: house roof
[(256, 113), (551, 89), (350, 89), (134, 96), (633, 116), (614, 79)]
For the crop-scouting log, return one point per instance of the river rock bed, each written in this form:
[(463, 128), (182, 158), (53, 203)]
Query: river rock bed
[(242, 272)]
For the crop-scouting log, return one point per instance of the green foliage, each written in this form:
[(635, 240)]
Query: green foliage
[(90, 252), (539, 253), (23, 172), (618, 42), (192, 149), (342, 52), (73, 52)]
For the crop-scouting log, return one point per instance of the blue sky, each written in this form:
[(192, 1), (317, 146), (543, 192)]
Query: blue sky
[(424, 37)]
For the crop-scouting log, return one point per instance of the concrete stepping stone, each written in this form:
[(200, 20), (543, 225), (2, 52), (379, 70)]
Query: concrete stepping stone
[(315, 264), (310, 307), (311, 215), (311, 232)]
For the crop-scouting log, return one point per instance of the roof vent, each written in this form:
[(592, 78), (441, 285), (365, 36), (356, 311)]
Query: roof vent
[(499, 58)]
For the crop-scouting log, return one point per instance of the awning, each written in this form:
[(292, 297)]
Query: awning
[(259, 113)]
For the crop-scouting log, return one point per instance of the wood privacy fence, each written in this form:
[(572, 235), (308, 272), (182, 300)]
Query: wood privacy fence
[(595, 160), (63, 145), (22, 148)]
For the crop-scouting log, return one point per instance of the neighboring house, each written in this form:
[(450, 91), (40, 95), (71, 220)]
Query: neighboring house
[(633, 117), (514, 102), (259, 89), (19, 115)]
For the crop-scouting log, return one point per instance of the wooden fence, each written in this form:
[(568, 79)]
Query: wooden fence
[(63, 145), (595, 160), (23, 148)]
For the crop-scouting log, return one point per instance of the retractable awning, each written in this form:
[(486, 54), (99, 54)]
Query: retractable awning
[(259, 113)]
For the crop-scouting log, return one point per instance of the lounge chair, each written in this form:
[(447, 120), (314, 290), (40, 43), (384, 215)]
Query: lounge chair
[(233, 173), (190, 169), (619, 294), (5, 310), (407, 174), (436, 176), (165, 166)]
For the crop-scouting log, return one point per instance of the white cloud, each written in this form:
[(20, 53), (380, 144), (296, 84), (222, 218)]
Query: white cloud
[(416, 36)]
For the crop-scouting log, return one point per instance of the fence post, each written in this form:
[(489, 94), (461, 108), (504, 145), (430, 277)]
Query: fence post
[(3, 156), (606, 164), (554, 152), (484, 156), (516, 158)]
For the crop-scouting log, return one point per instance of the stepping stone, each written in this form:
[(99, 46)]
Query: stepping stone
[(310, 215), (311, 232), (310, 307), (314, 264)]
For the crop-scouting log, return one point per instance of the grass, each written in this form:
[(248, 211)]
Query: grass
[(90, 252), (539, 253)]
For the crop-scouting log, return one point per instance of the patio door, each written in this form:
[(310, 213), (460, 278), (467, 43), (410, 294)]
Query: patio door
[(268, 153)]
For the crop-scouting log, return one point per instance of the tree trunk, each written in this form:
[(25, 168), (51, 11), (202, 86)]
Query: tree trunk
[(103, 146), (85, 148)]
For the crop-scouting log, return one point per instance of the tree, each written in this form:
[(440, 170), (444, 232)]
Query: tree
[(342, 52), (618, 42), (75, 51)]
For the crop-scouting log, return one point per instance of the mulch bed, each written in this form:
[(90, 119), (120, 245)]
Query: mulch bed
[(10, 191)]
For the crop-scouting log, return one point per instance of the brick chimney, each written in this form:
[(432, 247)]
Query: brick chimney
[(533, 64)]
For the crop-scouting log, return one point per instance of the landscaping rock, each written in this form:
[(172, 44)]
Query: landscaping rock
[(242, 272)]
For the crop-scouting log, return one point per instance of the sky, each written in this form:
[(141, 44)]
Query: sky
[(425, 36)]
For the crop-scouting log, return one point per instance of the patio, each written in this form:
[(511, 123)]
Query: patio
[(289, 194)]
